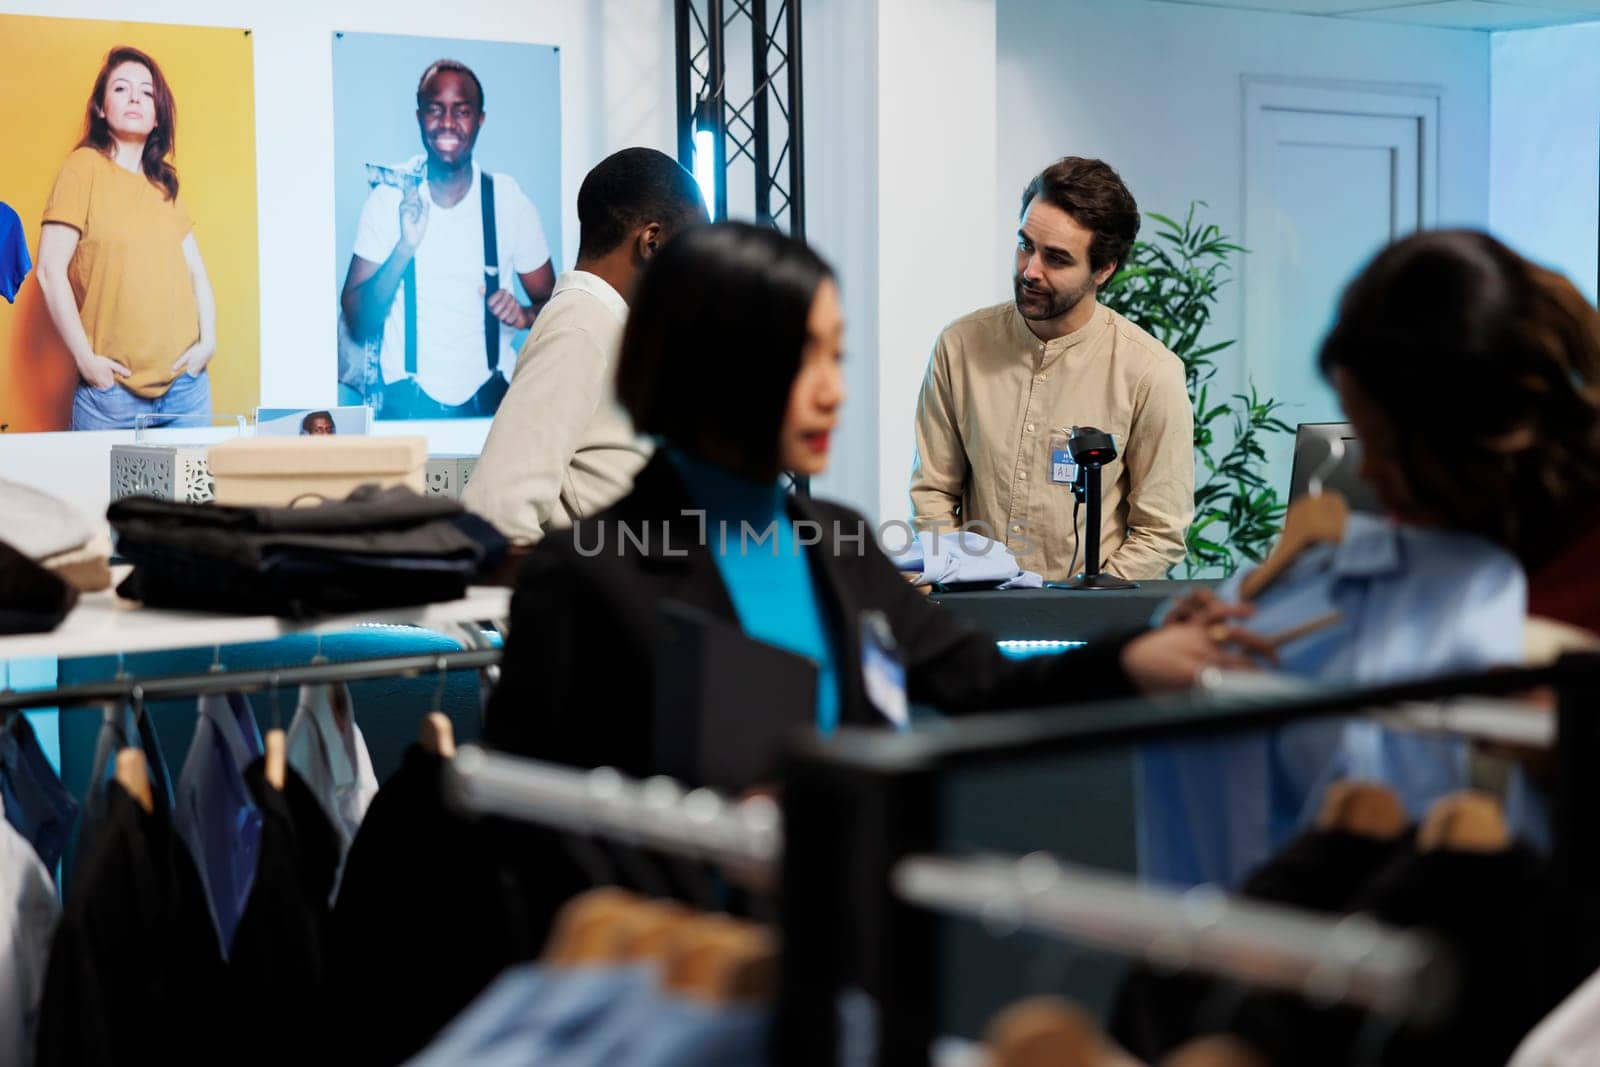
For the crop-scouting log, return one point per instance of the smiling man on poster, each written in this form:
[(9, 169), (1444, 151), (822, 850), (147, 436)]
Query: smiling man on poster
[(430, 279)]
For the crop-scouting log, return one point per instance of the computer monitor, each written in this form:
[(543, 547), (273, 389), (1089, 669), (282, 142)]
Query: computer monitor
[(1312, 444)]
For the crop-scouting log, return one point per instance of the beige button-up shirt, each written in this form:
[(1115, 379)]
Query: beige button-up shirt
[(560, 447), (993, 396)]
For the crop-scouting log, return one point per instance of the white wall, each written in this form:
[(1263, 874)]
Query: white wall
[(1544, 129), (1155, 89), (616, 87), (900, 143), (841, 127)]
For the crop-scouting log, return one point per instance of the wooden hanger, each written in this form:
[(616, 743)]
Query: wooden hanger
[(650, 929), (1311, 520), (438, 735), (277, 752), (1215, 1050), (590, 928), (1050, 1032), (1366, 809), (720, 960), (1468, 821), (133, 774)]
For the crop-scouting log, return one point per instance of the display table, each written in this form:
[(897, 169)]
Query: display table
[(104, 624), (1064, 614)]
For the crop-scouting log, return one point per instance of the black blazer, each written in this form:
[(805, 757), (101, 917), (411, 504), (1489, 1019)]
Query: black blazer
[(576, 684)]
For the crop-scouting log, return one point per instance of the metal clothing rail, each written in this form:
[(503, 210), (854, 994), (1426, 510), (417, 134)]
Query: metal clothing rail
[(861, 803), (1351, 960), (250, 681), (658, 812)]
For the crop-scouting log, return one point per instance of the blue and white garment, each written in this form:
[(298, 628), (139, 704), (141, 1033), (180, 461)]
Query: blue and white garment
[(1415, 602), (958, 557), (215, 814)]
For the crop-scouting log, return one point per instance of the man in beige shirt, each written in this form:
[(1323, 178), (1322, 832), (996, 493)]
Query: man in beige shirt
[(1004, 380), (561, 447)]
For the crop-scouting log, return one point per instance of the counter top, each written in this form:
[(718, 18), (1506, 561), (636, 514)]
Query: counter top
[(1064, 614)]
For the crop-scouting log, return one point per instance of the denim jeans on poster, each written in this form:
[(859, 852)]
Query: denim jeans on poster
[(115, 408)]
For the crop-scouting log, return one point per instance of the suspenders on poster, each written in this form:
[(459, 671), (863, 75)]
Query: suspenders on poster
[(491, 276)]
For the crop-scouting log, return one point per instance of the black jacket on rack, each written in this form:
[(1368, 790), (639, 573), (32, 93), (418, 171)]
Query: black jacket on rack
[(135, 970), (577, 684)]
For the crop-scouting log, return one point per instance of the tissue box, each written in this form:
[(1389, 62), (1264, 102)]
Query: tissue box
[(171, 472), (448, 474), (280, 471)]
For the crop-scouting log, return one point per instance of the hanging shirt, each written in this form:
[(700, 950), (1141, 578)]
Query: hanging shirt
[(36, 803), (771, 583), (1414, 602), (279, 957), (215, 815), (1568, 1036), (120, 728), (532, 1013), (327, 749), (28, 914), (135, 974), (416, 856), (14, 261)]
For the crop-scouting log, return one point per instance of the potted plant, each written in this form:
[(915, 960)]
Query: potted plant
[(1169, 285)]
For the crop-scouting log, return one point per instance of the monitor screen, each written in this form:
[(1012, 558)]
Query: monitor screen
[(1314, 443)]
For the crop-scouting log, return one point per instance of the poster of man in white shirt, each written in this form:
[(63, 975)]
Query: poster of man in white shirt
[(450, 262)]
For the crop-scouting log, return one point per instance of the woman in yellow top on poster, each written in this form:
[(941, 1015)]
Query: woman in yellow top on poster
[(118, 263)]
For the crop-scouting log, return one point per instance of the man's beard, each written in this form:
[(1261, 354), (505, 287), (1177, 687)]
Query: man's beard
[(1056, 306)]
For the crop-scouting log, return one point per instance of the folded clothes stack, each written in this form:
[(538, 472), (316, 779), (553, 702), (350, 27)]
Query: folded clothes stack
[(378, 548), (56, 536)]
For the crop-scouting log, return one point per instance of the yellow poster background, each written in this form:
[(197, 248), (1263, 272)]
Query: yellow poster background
[(47, 68)]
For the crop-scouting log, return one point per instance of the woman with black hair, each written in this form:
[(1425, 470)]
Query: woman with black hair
[(1472, 378), (731, 359)]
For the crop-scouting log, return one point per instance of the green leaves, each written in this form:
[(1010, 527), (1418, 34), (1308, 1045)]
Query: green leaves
[(1169, 285)]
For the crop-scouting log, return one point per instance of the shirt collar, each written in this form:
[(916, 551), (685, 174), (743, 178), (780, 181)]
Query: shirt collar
[(1370, 548), (595, 286), (1097, 324)]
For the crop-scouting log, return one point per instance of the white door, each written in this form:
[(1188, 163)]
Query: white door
[(1332, 174)]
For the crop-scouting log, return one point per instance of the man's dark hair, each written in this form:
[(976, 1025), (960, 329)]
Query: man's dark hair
[(439, 66), (313, 416), (633, 188), (1486, 371), (714, 339), (1093, 194)]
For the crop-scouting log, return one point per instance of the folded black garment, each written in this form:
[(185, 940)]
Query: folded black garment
[(33, 599), (380, 548)]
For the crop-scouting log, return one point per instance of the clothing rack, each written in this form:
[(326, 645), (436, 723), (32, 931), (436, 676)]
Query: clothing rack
[(658, 812), (250, 681), (1352, 960), (861, 803)]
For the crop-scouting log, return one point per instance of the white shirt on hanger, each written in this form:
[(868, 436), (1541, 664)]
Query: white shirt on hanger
[(327, 750), (29, 911)]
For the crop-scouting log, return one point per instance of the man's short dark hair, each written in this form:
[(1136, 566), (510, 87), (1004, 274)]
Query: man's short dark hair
[(439, 66), (1093, 194), (633, 188), (714, 339)]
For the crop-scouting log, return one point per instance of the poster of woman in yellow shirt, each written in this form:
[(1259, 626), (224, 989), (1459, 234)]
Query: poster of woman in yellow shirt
[(124, 316)]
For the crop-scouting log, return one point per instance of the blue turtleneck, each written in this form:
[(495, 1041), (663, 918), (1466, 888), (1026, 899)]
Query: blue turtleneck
[(771, 584)]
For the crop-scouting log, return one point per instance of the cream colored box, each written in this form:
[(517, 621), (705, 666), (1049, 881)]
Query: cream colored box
[(281, 471)]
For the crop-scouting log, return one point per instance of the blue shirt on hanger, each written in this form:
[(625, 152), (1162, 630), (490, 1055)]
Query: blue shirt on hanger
[(14, 261), (37, 804), (215, 814), (771, 583), (1414, 602)]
